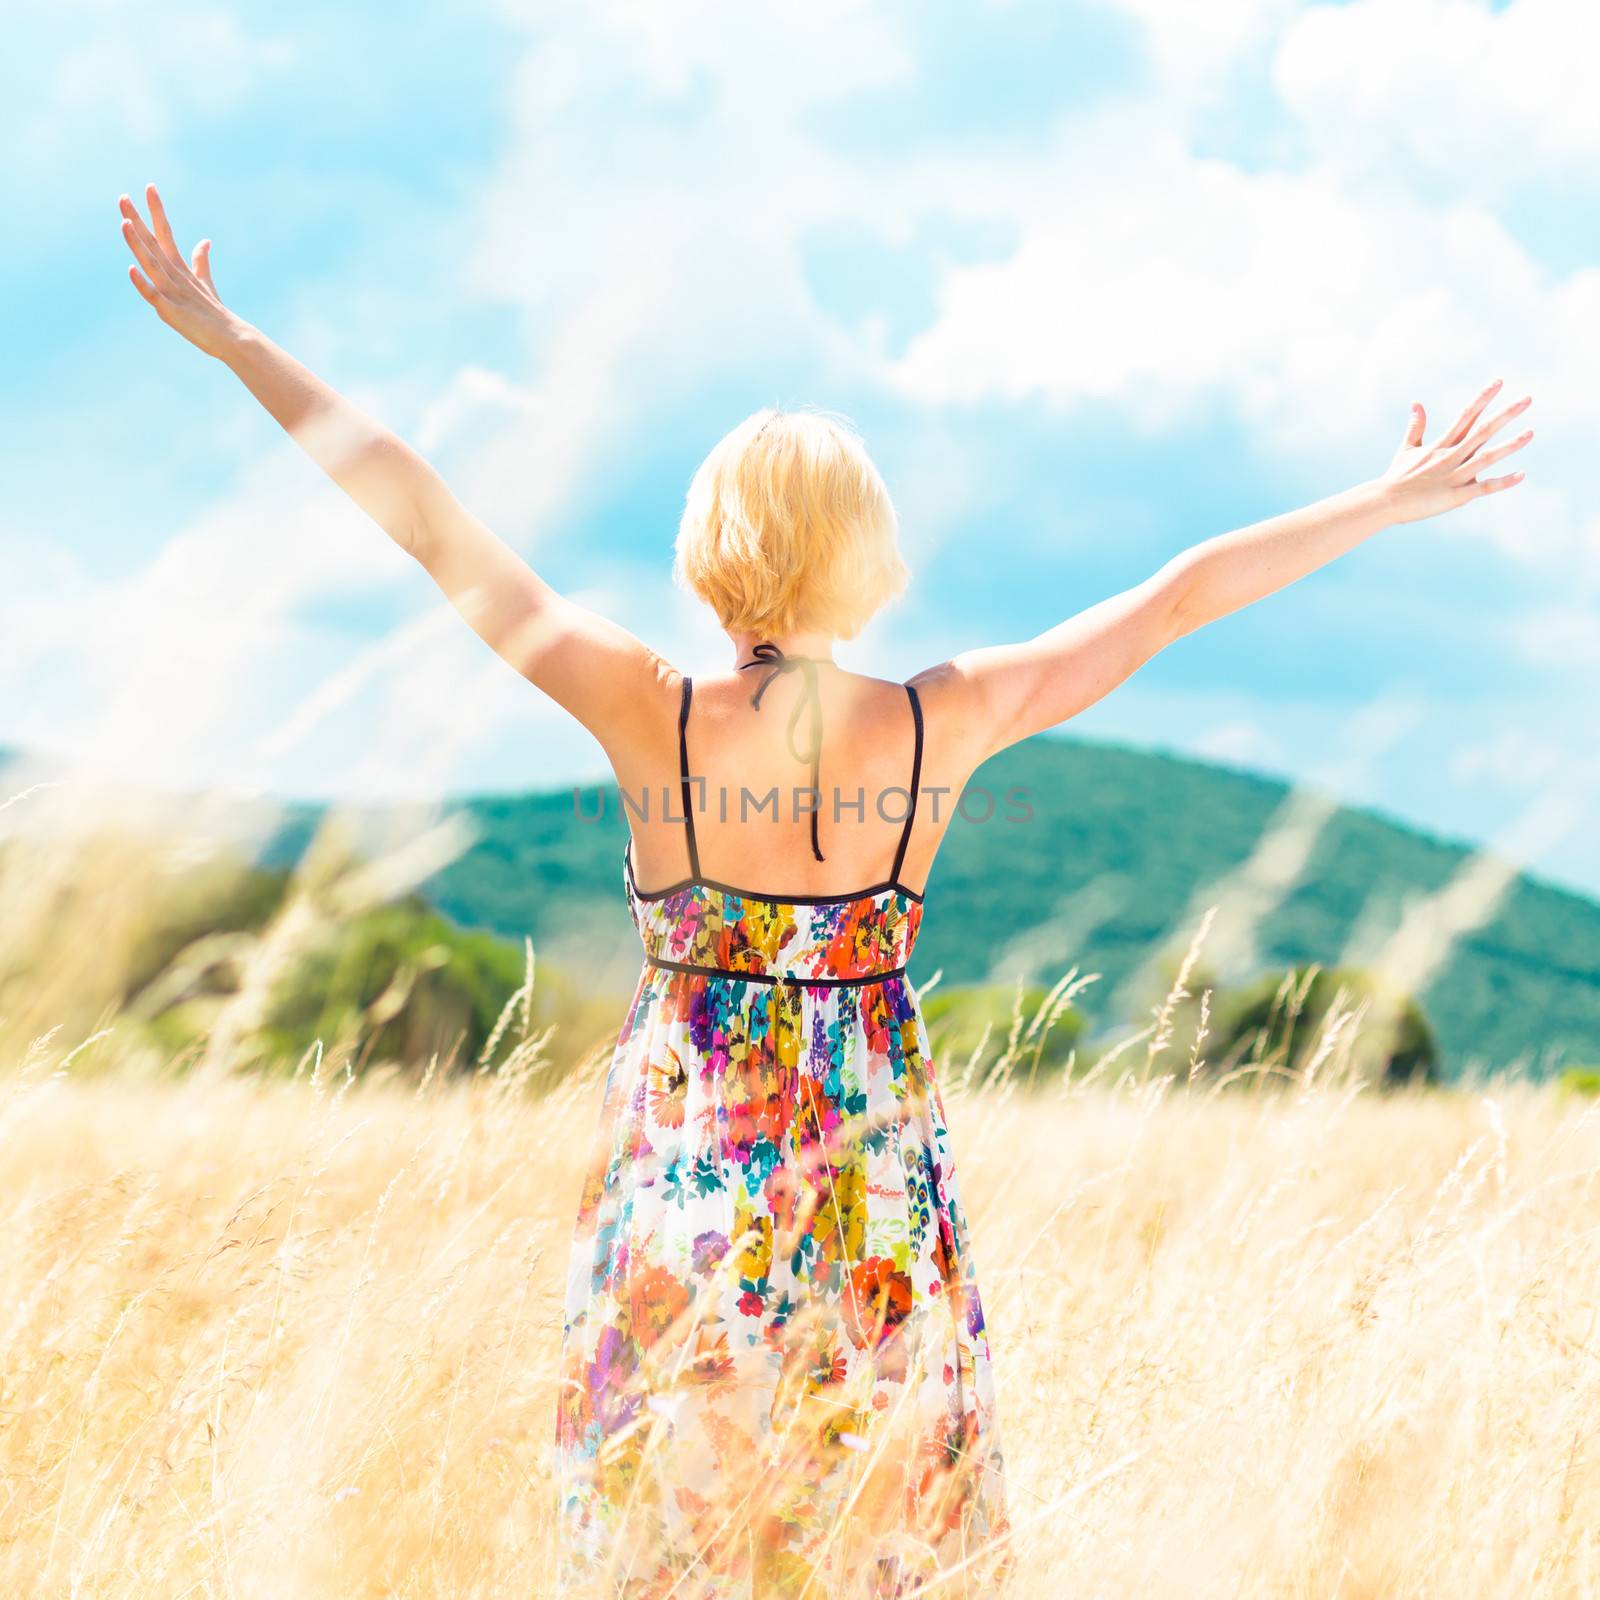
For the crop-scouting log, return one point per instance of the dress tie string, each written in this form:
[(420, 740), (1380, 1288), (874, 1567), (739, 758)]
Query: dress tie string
[(774, 663)]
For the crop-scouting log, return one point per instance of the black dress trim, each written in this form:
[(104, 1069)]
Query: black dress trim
[(750, 894), (775, 977)]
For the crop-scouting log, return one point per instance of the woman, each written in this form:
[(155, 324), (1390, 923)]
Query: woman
[(776, 1375)]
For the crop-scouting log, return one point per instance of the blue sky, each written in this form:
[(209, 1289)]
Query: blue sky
[(1095, 280)]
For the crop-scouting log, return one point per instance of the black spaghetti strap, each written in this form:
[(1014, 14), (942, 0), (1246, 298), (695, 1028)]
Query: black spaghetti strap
[(683, 777), (916, 779)]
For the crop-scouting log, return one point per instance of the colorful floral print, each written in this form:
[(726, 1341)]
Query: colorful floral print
[(776, 1374)]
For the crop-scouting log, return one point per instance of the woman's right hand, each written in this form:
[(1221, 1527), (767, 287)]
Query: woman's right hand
[(181, 292), (1424, 480)]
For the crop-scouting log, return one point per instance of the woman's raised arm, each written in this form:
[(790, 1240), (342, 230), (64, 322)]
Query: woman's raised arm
[(594, 668), (999, 695)]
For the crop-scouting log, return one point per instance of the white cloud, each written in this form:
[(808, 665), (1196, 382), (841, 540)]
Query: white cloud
[(1314, 302), (660, 171), (1561, 634), (1170, 286), (1523, 759), (161, 673), (1165, 283), (1482, 99), (123, 71), (1238, 741), (1194, 47)]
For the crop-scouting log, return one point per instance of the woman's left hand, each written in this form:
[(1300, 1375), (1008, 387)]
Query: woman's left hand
[(182, 293), (1426, 479)]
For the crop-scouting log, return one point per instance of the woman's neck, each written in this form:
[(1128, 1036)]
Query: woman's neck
[(819, 646)]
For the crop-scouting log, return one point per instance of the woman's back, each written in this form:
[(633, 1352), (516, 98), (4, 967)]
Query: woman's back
[(805, 782)]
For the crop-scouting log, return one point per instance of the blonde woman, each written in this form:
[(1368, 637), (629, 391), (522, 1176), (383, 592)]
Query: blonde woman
[(776, 1367)]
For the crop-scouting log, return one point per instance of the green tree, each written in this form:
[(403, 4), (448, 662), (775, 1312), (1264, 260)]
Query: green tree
[(396, 983), (1020, 1032), (1341, 1017)]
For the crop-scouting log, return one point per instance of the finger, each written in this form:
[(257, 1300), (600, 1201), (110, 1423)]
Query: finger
[(200, 263), (1494, 485), (142, 284), (146, 253), (1470, 415), (1414, 428), (158, 220), (143, 243), (155, 255), (1472, 468), (1480, 435), (131, 213)]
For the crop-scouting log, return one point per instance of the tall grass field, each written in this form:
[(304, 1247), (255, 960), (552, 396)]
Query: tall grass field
[(299, 1338), (284, 1330)]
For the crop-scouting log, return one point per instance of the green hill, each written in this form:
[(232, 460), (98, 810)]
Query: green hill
[(1125, 849)]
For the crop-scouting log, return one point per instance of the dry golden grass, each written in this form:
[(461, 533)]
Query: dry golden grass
[(266, 1336), (271, 1338)]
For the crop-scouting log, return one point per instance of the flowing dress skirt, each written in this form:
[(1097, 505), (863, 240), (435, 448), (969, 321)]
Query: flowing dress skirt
[(776, 1376)]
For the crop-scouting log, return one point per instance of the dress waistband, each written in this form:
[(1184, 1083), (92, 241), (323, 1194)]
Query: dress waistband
[(794, 979)]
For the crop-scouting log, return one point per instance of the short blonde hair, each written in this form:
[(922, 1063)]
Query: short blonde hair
[(787, 527)]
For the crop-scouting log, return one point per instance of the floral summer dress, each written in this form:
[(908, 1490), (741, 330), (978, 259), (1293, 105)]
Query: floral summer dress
[(776, 1377)]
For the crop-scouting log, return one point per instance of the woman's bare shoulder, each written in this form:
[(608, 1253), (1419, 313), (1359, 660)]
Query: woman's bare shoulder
[(958, 730)]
